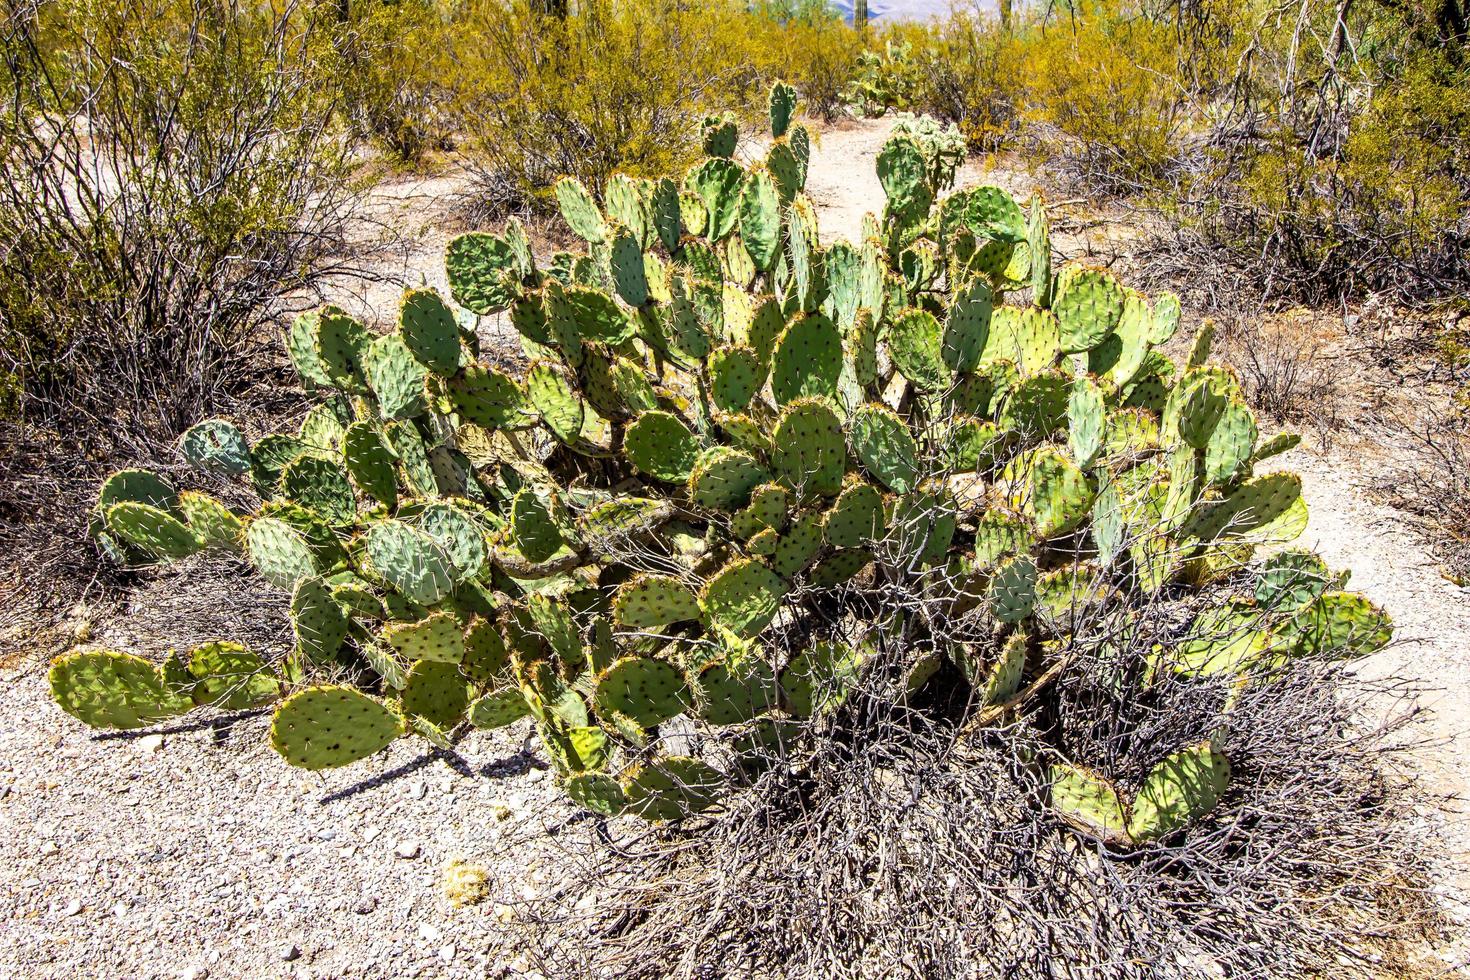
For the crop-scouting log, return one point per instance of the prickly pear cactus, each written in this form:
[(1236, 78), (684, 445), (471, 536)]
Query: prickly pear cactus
[(744, 472)]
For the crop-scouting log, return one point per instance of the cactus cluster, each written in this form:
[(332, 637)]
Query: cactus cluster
[(743, 473)]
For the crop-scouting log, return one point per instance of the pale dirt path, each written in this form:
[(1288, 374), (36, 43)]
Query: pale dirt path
[(201, 854)]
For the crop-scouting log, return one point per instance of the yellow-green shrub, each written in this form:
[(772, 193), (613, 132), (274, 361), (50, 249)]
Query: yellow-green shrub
[(613, 86)]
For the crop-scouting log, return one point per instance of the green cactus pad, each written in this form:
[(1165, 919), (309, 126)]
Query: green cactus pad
[(487, 397), (280, 552), (211, 521), (627, 201), (672, 788), (597, 316), (437, 637), (967, 326), (819, 679), (321, 485), (915, 344), (154, 531), (318, 621), (723, 479), (1088, 305), (1182, 788), (327, 726), (760, 219), (735, 375), (1011, 594), (922, 525), (654, 601), (105, 689), (630, 278), (409, 561), (459, 535), (395, 377), (1037, 406), (743, 597), (370, 463), (808, 453), (762, 544), (782, 108), (646, 690), (1086, 422), (1266, 509), (231, 678), (661, 446), (768, 508), (532, 529), (1164, 322), (1289, 580), (1340, 625), (437, 692), (483, 272), (1003, 679), (498, 708), (341, 342), (596, 792), (901, 172), (796, 549), (1029, 338), (731, 692), (216, 444), (413, 458), (884, 444), (301, 348), (486, 659), (269, 456), (856, 519), (557, 402), (579, 210), (429, 331), (1088, 801), (1232, 443), (1049, 489), (137, 486), (999, 533), (806, 359)]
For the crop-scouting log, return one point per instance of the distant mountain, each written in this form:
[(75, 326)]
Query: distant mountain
[(891, 10)]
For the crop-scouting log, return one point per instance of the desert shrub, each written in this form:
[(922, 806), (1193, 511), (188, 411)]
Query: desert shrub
[(811, 47), (973, 76), (756, 501), (387, 61), (1339, 169), (1103, 85), (168, 170), (609, 87)]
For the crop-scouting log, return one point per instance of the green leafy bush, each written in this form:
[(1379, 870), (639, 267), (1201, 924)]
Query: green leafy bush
[(744, 475)]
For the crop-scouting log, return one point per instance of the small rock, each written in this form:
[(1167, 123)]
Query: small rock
[(329, 834), (74, 907), (371, 834), (196, 973), (407, 850), (290, 952), (150, 743), (366, 906), (418, 791), (119, 910), (49, 848), (430, 933), (446, 953)]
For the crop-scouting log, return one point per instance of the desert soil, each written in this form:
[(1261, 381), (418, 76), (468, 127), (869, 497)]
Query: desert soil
[(193, 851)]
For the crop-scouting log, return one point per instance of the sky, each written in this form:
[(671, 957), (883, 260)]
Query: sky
[(880, 10)]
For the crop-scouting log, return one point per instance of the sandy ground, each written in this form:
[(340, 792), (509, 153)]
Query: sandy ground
[(195, 852)]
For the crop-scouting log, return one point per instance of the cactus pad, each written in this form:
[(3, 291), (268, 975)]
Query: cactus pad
[(653, 601), (279, 551), (437, 692), (743, 597), (532, 529), (806, 359), (723, 478), (482, 271), (596, 792), (1088, 305), (661, 445), (154, 531), (321, 485), (437, 637), (327, 726), (915, 343), (1088, 801), (318, 620), (105, 689), (216, 444), (1183, 787), (646, 690), (672, 788), (231, 678), (409, 561), (884, 444), (808, 452)]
